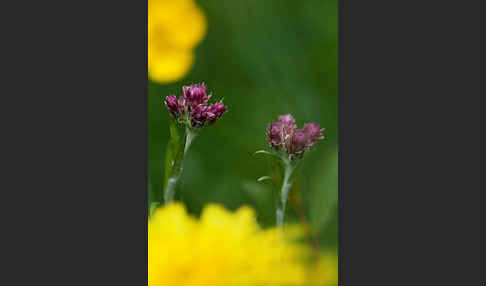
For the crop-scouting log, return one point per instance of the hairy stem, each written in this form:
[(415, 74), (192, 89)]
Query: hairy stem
[(177, 168), (170, 190), (190, 135), (284, 194)]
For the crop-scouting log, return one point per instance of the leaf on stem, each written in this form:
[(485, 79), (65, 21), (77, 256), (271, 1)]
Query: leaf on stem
[(265, 152), (153, 207), (263, 178), (323, 192)]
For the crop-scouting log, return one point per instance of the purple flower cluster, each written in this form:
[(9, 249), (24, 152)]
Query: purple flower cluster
[(284, 135), (192, 106)]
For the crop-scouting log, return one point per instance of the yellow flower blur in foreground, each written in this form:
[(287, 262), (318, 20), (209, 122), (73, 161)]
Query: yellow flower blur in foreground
[(175, 27), (222, 249), (325, 271)]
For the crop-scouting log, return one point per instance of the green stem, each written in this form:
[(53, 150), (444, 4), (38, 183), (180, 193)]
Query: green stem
[(284, 193), (170, 190), (190, 135), (177, 168)]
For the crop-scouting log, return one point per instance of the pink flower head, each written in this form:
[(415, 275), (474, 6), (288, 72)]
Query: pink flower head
[(298, 142), (192, 107), (275, 134), (283, 135), (173, 105), (194, 95), (314, 133), (215, 111), (199, 115), (288, 122)]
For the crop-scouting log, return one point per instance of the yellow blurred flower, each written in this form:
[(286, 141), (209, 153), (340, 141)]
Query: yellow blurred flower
[(325, 271), (222, 249), (175, 27)]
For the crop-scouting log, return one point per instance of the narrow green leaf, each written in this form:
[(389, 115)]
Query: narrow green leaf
[(153, 207), (265, 152), (263, 178), (323, 190)]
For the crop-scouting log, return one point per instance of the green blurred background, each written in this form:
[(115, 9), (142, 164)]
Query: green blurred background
[(266, 58)]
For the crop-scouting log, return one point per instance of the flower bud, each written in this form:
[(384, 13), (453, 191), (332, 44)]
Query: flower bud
[(215, 111), (288, 122), (314, 133), (298, 141), (173, 105), (274, 134), (194, 95), (199, 115)]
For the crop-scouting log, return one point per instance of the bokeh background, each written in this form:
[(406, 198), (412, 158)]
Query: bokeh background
[(266, 58)]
